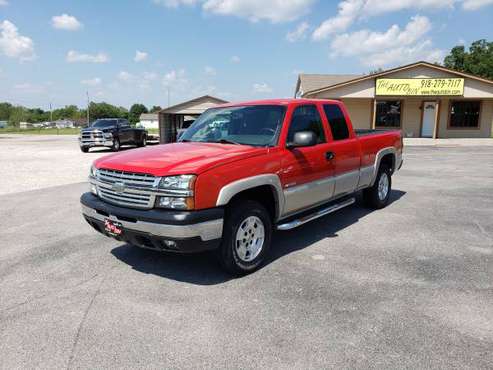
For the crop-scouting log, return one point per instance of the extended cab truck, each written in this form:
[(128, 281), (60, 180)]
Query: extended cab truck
[(239, 172), (112, 133)]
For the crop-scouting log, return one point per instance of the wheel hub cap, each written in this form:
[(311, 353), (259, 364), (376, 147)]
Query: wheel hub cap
[(250, 238), (383, 186)]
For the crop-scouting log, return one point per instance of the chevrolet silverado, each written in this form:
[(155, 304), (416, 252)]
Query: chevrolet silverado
[(239, 172)]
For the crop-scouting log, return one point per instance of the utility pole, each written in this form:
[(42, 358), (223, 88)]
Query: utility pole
[(51, 114), (87, 110)]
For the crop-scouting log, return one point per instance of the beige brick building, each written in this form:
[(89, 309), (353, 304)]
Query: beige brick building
[(422, 99)]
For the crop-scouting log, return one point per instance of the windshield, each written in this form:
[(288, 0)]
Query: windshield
[(103, 123), (257, 125)]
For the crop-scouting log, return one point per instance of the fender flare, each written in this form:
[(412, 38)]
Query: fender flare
[(378, 158), (228, 191)]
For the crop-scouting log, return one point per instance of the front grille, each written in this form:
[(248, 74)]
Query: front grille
[(127, 178), (127, 188), (92, 135)]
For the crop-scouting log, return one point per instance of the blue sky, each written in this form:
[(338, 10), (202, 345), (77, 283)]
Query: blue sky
[(135, 51)]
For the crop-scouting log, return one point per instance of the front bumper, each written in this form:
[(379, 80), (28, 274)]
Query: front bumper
[(90, 143), (164, 230)]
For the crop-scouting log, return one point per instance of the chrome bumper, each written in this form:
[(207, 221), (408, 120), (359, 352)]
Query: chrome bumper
[(95, 142), (208, 230)]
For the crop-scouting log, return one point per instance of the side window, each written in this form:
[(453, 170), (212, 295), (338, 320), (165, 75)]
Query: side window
[(306, 118), (337, 122)]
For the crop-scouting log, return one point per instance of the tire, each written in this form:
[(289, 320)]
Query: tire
[(143, 142), (378, 195), (116, 145), (243, 250), (84, 149)]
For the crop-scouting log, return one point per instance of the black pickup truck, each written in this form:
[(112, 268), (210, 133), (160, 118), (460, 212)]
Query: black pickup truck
[(112, 133)]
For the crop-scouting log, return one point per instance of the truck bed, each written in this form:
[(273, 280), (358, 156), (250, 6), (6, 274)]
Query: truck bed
[(366, 132)]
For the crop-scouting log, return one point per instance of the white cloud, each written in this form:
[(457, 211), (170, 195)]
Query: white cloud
[(96, 81), (14, 45), (175, 78), (76, 57), (352, 10), (262, 88), (149, 76), (4, 3), (395, 45), (175, 3), (254, 10), (299, 33), (235, 59), (125, 76), (210, 71), (29, 88), (66, 22), (475, 4), (140, 56)]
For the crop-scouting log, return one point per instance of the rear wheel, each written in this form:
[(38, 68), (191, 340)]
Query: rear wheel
[(246, 237), (143, 142), (116, 145), (378, 195), (84, 149)]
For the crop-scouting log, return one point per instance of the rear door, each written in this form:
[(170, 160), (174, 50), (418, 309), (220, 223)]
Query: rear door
[(125, 131), (345, 149), (306, 173)]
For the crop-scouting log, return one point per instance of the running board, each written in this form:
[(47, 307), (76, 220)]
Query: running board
[(320, 213)]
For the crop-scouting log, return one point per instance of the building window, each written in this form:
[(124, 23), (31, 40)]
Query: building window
[(388, 113), (465, 114)]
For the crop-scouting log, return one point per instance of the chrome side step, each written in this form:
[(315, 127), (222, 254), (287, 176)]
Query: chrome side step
[(324, 211)]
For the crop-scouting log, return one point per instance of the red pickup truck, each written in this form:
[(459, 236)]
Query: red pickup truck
[(239, 172)]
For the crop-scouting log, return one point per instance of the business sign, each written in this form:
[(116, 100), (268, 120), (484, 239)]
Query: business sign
[(419, 86)]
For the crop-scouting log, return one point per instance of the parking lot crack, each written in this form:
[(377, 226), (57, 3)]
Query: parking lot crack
[(84, 319)]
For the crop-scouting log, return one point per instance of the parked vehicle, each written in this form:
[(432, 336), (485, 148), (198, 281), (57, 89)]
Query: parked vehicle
[(239, 172), (112, 133)]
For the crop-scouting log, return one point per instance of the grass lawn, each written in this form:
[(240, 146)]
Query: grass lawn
[(42, 131)]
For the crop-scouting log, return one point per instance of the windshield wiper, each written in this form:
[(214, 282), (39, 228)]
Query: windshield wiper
[(227, 141)]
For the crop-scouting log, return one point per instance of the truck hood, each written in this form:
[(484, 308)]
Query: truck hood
[(177, 158)]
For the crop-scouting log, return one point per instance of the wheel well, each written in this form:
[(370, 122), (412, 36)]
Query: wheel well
[(263, 194), (389, 160)]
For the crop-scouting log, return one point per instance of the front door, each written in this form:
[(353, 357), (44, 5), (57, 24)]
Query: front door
[(307, 173), (429, 117)]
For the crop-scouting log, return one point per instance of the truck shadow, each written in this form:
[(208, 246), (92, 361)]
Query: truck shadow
[(203, 268)]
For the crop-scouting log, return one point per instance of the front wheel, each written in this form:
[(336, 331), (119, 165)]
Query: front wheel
[(378, 195), (246, 237), (116, 145), (84, 149)]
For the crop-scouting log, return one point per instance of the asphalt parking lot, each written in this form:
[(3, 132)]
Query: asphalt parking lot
[(409, 286)]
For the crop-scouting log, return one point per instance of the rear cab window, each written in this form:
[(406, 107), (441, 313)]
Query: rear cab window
[(337, 122), (306, 118)]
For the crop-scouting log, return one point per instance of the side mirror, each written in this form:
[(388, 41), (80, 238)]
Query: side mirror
[(303, 138)]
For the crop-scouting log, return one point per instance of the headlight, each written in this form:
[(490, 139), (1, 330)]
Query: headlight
[(183, 182), (93, 172), (178, 192)]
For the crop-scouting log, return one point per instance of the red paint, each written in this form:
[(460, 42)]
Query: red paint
[(220, 164)]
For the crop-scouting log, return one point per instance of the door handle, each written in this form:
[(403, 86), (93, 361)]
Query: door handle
[(330, 156)]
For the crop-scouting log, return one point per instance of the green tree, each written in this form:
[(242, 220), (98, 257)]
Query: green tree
[(478, 60), (105, 110), (135, 111), (5, 110), (155, 109), (17, 114)]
